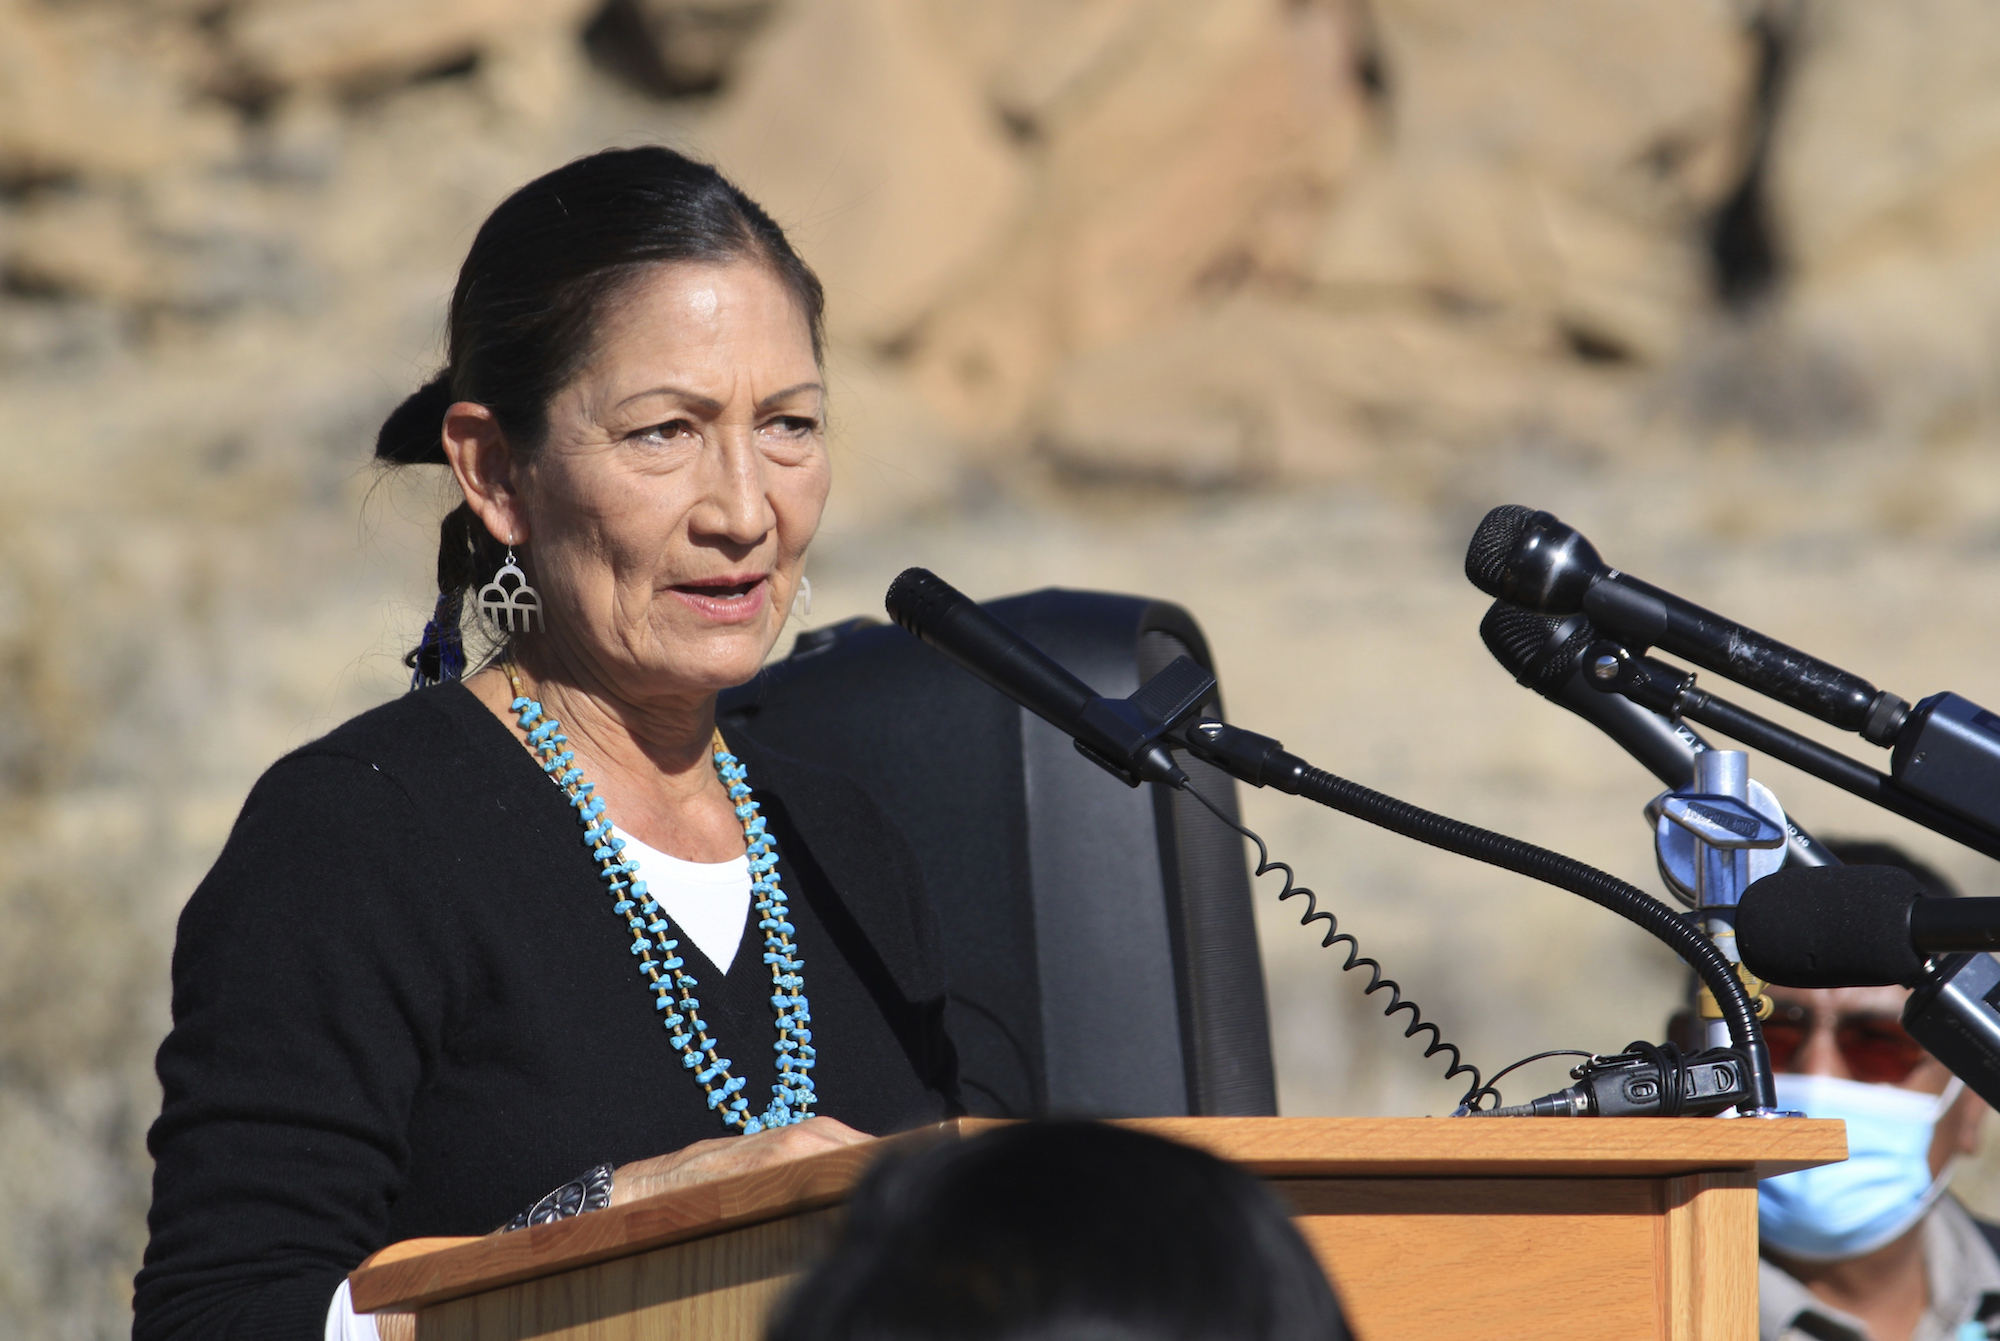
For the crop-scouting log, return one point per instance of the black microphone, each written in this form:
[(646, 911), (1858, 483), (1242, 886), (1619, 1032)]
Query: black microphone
[(952, 622), (1534, 560), (1950, 784), (1855, 926), (1125, 736), (1870, 926), (1545, 653), (1839, 926)]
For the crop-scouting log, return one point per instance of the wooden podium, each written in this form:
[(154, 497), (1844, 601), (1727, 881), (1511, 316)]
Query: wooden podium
[(1430, 1227)]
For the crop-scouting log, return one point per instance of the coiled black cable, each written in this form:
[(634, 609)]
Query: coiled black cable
[(1263, 762), (1355, 959), (1492, 1086), (1290, 773)]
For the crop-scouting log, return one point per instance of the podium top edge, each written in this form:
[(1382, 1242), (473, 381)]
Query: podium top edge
[(1505, 1147), (1271, 1147)]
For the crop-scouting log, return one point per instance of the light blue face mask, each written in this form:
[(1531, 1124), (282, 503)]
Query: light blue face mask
[(1850, 1209)]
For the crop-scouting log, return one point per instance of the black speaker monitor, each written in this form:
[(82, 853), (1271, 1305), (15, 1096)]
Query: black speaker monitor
[(1100, 939)]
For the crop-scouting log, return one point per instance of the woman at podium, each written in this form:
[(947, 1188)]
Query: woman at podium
[(536, 937)]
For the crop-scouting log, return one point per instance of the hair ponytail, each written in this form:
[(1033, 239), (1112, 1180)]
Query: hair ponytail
[(465, 549), (413, 434)]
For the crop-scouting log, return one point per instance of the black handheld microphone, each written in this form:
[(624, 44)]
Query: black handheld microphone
[(1843, 926), (1949, 783), (1127, 737), (1545, 653), (1855, 926), (1532, 559), (1868, 926)]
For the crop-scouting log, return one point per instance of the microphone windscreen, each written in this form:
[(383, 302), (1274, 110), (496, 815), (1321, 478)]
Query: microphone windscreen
[(918, 597), (1831, 926), (1486, 557), (1541, 651)]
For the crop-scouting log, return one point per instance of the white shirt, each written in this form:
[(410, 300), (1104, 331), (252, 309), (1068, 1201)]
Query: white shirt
[(708, 903), (344, 1324)]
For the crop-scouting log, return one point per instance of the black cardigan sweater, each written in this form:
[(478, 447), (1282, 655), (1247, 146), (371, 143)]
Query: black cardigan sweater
[(402, 1006)]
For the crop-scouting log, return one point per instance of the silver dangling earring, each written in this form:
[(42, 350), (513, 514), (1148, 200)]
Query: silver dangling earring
[(518, 610), (802, 599)]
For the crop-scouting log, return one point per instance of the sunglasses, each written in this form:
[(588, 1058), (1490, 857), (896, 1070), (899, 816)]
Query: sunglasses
[(1876, 1048)]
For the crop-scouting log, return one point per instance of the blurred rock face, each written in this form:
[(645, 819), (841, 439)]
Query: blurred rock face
[(1292, 223), (1253, 304), (1885, 182)]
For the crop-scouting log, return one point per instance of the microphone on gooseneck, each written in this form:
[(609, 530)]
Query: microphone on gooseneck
[(949, 620), (1868, 926), (1132, 738), (1545, 653), (1533, 560), (1126, 736)]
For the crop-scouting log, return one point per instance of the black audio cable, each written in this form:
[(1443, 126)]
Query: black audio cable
[(1263, 762), (1469, 1101)]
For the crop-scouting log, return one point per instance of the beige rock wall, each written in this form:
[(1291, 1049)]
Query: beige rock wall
[(1254, 304), (1886, 181), (864, 131), (1552, 161)]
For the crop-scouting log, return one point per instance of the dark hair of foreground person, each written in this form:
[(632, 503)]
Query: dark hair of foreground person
[(1063, 1231)]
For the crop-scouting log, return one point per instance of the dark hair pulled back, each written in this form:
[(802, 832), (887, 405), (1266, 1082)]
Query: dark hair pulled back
[(1062, 1231), (542, 271)]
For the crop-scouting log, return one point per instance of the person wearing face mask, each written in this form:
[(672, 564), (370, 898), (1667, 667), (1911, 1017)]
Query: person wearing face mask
[(1872, 1249)]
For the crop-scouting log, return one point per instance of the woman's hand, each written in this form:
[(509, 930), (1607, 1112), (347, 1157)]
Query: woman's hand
[(697, 1163), (726, 1155)]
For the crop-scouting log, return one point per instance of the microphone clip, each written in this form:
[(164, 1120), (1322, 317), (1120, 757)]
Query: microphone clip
[(1613, 667), (1130, 734)]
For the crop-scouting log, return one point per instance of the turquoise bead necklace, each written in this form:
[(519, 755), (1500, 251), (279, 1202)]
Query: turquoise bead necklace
[(793, 1097)]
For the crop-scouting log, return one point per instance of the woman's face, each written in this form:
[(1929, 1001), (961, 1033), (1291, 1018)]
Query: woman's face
[(683, 476)]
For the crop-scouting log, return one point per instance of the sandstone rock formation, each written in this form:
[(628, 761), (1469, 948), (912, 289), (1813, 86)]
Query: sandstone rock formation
[(859, 128), (1885, 180), (1551, 161), (1191, 159)]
